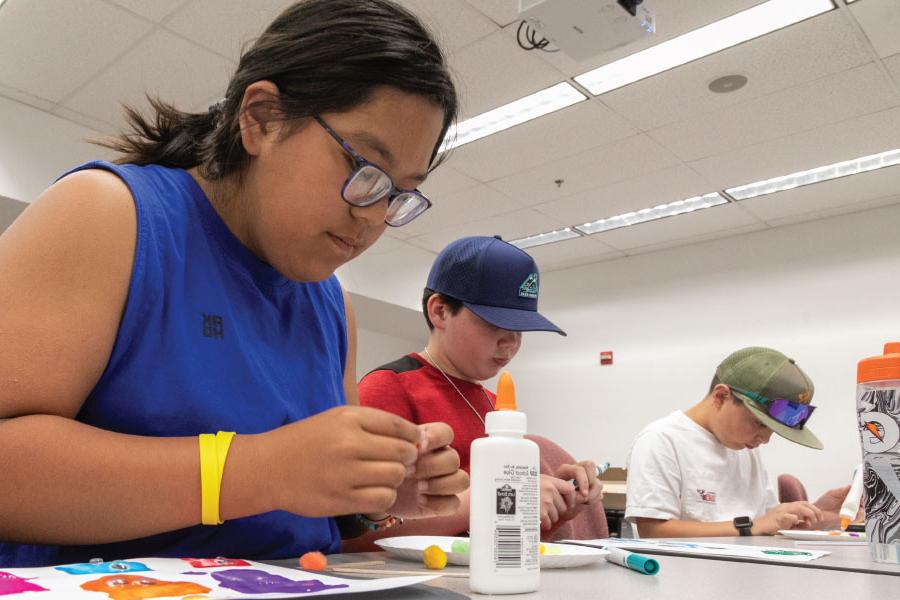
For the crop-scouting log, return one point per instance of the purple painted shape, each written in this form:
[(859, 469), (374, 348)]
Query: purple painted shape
[(253, 581), (13, 584)]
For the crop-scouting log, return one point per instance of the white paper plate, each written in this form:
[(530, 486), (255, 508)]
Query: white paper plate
[(410, 547), (823, 536)]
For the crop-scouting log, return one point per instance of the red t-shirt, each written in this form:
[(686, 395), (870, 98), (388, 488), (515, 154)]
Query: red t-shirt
[(415, 390)]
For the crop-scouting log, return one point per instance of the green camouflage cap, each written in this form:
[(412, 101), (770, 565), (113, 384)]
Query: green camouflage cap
[(772, 374)]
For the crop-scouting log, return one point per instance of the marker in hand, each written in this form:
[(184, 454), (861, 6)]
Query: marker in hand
[(601, 469), (851, 503)]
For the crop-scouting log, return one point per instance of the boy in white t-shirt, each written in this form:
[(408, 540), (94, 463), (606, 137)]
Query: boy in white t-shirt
[(698, 473)]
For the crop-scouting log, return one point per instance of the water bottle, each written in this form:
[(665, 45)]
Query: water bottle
[(878, 415)]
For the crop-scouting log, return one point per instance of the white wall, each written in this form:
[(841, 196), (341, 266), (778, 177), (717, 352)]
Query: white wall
[(825, 293), (37, 147), (385, 332)]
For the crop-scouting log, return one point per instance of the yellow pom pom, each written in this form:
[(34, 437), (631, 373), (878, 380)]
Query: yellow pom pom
[(434, 557), (543, 549)]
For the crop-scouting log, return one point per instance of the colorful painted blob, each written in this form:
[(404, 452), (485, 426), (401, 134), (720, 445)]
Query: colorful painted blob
[(219, 561), (254, 581), (13, 584), (136, 587), (116, 566)]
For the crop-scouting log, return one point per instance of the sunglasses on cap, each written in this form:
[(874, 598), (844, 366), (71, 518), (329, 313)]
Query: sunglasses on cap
[(787, 412)]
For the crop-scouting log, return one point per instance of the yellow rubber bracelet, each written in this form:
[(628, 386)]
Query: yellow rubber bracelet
[(213, 453)]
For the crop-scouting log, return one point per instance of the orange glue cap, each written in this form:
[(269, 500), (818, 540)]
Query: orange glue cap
[(506, 392)]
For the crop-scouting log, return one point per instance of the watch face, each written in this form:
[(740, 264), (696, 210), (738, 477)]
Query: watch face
[(741, 522)]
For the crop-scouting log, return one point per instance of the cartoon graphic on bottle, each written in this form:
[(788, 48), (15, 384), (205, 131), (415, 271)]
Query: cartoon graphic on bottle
[(878, 416)]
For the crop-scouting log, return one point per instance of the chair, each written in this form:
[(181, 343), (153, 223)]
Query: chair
[(591, 522), (790, 489)]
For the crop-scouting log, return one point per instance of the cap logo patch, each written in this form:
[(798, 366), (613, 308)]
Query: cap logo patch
[(803, 397), (529, 287)]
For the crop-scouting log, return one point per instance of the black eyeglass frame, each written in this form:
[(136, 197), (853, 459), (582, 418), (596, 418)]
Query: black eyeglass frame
[(358, 163)]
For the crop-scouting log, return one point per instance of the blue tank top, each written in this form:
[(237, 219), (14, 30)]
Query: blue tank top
[(211, 339)]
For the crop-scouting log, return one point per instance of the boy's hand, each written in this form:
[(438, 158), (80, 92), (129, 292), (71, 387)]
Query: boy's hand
[(790, 515), (590, 489), (557, 498), (431, 488), (346, 460)]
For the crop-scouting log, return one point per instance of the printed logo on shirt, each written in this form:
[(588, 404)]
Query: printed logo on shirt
[(707, 496), (529, 287), (506, 500), (213, 326)]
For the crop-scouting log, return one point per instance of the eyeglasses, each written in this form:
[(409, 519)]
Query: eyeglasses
[(787, 412), (367, 184)]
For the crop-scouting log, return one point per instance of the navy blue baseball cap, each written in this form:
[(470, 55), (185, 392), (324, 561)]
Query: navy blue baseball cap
[(494, 279)]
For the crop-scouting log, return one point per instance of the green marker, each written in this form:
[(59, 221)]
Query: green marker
[(787, 552)]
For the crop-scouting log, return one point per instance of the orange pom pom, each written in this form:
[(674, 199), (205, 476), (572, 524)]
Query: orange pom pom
[(313, 561)]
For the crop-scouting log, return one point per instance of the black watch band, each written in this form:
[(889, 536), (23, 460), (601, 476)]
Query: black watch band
[(743, 525)]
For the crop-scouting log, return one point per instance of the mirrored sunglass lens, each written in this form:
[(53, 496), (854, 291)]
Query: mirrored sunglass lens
[(404, 208), (367, 184), (789, 413)]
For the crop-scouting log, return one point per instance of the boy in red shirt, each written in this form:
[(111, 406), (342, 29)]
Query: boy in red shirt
[(482, 293)]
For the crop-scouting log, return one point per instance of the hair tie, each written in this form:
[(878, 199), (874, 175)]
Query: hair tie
[(215, 111)]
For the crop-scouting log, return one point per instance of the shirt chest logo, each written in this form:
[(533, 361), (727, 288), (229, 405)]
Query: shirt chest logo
[(213, 327), (706, 496)]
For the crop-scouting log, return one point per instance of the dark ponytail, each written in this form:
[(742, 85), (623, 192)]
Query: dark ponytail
[(324, 56)]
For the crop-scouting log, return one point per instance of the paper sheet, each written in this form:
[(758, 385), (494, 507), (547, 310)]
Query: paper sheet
[(708, 549), (138, 578)]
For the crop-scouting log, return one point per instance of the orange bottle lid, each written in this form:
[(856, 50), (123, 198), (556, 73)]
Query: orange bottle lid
[(506, 392), (880, 368)]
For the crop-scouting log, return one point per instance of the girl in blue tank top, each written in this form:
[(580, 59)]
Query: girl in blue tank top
[(189, 289)]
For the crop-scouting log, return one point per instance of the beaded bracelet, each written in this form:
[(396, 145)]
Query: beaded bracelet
[(379, 524)]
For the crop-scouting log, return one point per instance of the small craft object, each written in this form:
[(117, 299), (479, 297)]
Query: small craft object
[(313, 561), (434, 557)]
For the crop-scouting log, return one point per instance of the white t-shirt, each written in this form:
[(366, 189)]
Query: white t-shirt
[(679, 470)]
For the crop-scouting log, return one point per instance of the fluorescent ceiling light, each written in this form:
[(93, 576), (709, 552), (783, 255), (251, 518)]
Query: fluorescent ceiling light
[(519, 111), (728, 32), (546, 238), (801, 178), (651, 214)]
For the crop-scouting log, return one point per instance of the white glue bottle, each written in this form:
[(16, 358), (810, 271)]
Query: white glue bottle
[(504, 514)]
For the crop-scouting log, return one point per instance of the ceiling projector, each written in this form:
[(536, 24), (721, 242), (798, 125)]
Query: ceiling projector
[(585, 28)]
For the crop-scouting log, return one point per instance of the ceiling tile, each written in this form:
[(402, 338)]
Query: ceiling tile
[(880, 21), (455, 23), (893, 67), (97, 125), (710, 221), (835, 211), (803, 52), (462, 206), (563, 133), (660, 187), (859, 91), (501, 12), (25, 98), (825, 145), (828, 195), (156, 11), (49, 49), (163, 64), (494, 71), (510, 226), (445, 180), (225, 26), (588, 170), (571, 253)]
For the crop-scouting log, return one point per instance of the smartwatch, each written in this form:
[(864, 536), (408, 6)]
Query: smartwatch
[(743, 525)]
